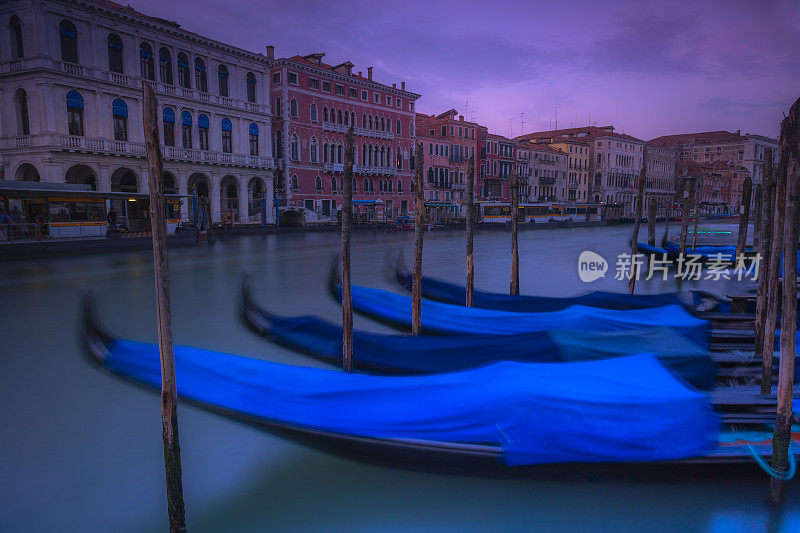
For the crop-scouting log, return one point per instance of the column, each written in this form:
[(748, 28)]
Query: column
[(214, 195), (244, 199)]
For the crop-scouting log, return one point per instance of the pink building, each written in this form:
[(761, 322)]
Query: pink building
[(314, 104), (497, 160)]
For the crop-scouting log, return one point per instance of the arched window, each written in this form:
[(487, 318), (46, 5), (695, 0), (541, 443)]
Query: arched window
[(430, 175), (318, 184), (369, 155), (119, 110), (278, 144), (146, 62), (339, 153), (21, 103), (295, 184), (346, 118), (227, 131), (399, 160), (202, 131), (353, 118), (364, 120), (333, 184), (399, 187), (355, 186), (389, 157), (398, 130), (69, 41), (339, 116), (183, 71), (186, 130), (295, 148), (278, 108), (75, 113), (364, 154), (165, 65), (325, 152), (324, 114), (115, 63), (312, 114), (222, 77), (168, 119), (200, 77), (370, 122), (17, 44), (333, 153), (293, 108), (253, 130), (251, 87), (383, 124), (312, 150)]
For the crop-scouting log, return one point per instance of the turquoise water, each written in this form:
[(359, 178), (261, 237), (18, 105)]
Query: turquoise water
[(81, 451)]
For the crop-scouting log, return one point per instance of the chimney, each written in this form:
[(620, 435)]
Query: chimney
[(359, 73), (369, 73), (403, 85), (394, 86), (738, 132), (270, 52), (461, 118)]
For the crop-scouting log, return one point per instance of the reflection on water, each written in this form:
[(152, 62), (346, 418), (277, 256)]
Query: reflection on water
[(82, 451)]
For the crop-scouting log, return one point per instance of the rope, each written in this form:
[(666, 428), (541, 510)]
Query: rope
[(777, 474)]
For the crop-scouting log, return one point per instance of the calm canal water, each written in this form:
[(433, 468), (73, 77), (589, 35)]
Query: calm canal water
[(81, 451)]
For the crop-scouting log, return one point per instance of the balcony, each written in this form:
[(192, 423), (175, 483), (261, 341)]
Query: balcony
[(334, 167), (136, 149), (459, 186), (377, 170), (547, 179), (71, 68), (23, 141), (362, 132)]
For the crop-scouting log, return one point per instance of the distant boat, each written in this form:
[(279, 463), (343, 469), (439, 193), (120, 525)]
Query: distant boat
[(502, 418)]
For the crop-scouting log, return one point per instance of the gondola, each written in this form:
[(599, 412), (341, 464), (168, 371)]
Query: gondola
[(503, 418), (446, 319), (722, 255), (426, 354), (442, 291)]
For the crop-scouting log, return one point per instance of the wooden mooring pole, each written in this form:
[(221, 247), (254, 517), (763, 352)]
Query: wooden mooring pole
[(652, 213), (169, 392), (347, 218), (696, 214), (757, 220), (636, 223), (470, 232), (744, 215), (514, 186), (666, 225), (790, 167), (773, 274), (685, 203), (765, 242), (419, 232)]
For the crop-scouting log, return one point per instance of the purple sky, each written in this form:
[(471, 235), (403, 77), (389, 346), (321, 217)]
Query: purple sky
[(649, 68)]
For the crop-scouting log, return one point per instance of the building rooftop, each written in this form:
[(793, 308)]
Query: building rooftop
[(585, 133)]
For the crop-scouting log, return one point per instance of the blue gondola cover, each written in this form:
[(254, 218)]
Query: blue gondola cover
[(615, 410), (447, 319), (443, 291)]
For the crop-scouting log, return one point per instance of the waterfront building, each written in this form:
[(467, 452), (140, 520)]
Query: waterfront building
[(495, 168), (460, 140), (661, 176), (549, 173), (720, 184), (721, 145), (71, 87), (615, 159), (314, 104), (577, 183)]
